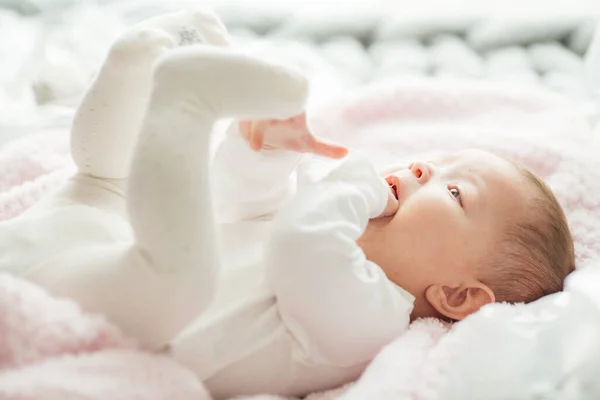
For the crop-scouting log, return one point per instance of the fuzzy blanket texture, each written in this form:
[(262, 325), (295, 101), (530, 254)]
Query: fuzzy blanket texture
[(50, 349)]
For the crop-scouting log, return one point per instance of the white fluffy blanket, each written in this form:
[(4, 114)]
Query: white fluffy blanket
[(548, 349)]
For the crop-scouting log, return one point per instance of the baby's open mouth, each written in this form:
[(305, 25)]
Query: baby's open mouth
[(392, 182), (394, 190)]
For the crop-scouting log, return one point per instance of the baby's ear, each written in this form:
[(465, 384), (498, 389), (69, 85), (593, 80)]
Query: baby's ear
[(458, 302)]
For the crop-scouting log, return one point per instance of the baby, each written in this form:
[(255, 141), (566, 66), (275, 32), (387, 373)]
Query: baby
[(253, 284)]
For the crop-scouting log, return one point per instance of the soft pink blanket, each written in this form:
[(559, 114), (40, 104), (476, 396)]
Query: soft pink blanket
[(49, 349)]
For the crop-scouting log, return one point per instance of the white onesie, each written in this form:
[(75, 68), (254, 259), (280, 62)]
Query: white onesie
[(273, 297), (298, 308)]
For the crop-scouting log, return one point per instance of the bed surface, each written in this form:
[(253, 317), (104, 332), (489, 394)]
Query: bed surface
[(51, 49)]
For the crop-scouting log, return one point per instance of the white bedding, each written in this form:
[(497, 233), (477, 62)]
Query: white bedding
[(49, 56), (545, 350), (551, 348)]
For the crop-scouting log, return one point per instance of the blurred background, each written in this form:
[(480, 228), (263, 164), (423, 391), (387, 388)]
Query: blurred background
[(51, 49)]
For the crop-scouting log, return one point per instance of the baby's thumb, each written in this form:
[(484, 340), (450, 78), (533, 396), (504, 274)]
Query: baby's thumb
[(391, 207)]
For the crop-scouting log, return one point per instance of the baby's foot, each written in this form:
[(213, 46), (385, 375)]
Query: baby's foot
[(148, 39), (191, 27), (108, 119), (225, 83)]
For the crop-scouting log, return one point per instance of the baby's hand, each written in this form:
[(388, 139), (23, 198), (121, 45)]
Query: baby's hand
[(290, 134)]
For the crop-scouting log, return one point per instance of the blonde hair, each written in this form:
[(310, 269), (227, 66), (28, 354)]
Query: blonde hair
[(536, 253)]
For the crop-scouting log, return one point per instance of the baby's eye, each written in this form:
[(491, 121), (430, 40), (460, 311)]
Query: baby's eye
[(455, 192)]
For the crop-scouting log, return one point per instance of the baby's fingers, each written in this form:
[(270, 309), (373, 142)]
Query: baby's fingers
[(257, 136), (327, 149), (245, 128), (392, 206)]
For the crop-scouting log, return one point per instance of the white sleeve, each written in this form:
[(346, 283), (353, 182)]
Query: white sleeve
[(248, 184), (338, 305)]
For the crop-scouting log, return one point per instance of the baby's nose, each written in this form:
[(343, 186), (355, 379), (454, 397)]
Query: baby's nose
[(421, 170)]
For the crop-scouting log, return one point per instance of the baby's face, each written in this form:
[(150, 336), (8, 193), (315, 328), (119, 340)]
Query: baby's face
[(453, 211)]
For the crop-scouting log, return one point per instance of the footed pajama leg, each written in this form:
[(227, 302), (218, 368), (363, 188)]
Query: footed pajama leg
[(155, 285), (107, 121)]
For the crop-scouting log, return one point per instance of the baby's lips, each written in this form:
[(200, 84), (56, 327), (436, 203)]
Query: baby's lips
[(395, 184)]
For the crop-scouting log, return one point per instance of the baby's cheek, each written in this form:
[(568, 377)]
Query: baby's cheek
[(428, 208), (434, 225)]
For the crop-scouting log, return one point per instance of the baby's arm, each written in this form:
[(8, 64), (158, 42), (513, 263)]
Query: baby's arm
[(253, 170), (248, 184), (339, 306)]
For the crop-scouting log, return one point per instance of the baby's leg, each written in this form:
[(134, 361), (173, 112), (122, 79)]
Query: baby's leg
[(107, 122), (168, 196), (152, 288)]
